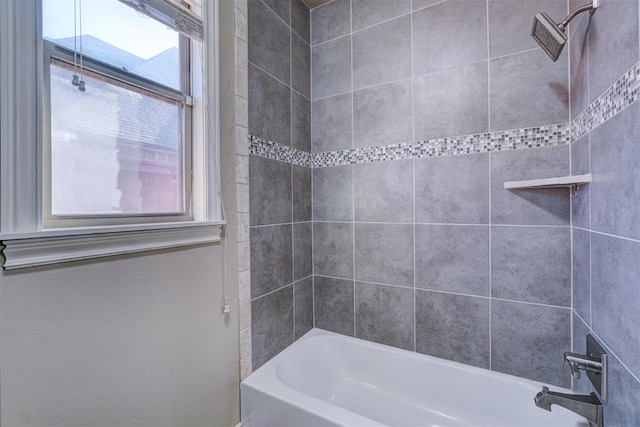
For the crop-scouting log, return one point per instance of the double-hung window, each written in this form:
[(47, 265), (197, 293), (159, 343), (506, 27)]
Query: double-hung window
[(126, 128)]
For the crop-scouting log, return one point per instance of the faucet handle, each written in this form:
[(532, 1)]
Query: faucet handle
[(573, 366)]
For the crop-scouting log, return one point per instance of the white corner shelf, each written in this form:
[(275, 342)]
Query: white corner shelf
[(571, 182)]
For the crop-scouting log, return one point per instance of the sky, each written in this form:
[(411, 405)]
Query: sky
[(110, 21)]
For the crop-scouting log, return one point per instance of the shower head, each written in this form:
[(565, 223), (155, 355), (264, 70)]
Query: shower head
[(549, 35)]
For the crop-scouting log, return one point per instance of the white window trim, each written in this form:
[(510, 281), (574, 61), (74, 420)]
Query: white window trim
[(25, 243)]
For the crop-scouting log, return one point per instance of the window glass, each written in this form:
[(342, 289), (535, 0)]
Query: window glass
[(115, 33)]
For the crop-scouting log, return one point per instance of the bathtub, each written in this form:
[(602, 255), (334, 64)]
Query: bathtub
[(326, 379)]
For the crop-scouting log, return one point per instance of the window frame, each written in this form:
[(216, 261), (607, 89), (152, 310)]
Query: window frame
[(24, 239)]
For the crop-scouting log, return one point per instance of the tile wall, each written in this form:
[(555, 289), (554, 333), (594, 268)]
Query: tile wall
[(428, 252), (604, 51), (280, 192)]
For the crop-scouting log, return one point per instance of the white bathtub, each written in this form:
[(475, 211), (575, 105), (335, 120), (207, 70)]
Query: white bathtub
[(326, 379)]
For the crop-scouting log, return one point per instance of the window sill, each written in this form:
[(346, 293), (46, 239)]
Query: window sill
[(63, 245)]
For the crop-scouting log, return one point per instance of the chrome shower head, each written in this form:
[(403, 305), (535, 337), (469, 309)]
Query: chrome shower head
[(549, 35)]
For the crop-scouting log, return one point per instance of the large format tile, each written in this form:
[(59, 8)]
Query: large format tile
[(615, 295), (510, 23), (419, 4), (367, 13), (452, 102), (529, 207), (382, 53), (454, 327), (536, 334), (582, 273), (300, 122), (333, 302), (615, 190), (449, 34), (333, 249), (331, 70), (332, 119), (581, 205), (269, 41), (384, 314), (301, 193), (531, 264), (613, 43), (622, 409), (281, 7), (303, 306), (271, 325), (300, 65), (270, 191), (382, 114), (383, 191), (453, 258), (271, 258), (528, 89), (301, 19), (302, 250), (333, 193), (579, 345), (269, 107), (453, 189), (330, 20), (384, 253)]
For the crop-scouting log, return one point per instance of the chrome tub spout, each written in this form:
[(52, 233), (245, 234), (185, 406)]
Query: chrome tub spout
[(587, 405)]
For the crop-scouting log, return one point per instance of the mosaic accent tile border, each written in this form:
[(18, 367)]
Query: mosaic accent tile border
[(516, 139), (622, 94), (272, 150)]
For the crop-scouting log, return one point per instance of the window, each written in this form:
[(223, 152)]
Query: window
[(113, 149)]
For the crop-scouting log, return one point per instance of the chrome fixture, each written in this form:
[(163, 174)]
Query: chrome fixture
[(595, 364), (549, 35)]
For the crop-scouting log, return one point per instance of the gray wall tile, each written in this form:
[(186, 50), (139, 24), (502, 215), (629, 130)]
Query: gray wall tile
[(303, 306), (271, 325), (419, 4), (531, 264), (615, 294), (538, 334), (382, 53), (382, 115), (332, 123), (280, 7), (582, 273), (453, 189), (270, 191), (613, 43), (580, 156), (528, 89), (301, 19), (615, 190), (622, 409), (333, 249), (330, 20), (268, 40), (384, 314), (510, 23), (453, 258), (302, 250), (383, 191), (333, 301), (454, 327), (579, 345), (331, 72), (452, 102), (301, 193), (449, 34), (300, 122), (300, 65), (384, 253), (333, 193), (580, 205), (366, 12), (530, 207), (271, 258), (269, 107)]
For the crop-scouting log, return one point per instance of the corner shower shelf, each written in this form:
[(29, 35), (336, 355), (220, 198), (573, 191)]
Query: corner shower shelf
[(571, 182)]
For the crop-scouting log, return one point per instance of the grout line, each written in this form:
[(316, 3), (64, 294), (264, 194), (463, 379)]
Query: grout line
[(271, 292), (427, 6), (353, 184), (490, 269), (279, 224), (413, 183), (285, 23)]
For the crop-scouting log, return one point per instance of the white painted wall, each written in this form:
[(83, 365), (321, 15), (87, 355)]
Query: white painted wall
[(123, 341)]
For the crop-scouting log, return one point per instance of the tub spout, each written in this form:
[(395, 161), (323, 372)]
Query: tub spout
[(587, 405)]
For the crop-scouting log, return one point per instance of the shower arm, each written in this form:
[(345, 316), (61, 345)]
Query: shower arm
[(586, 7)]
